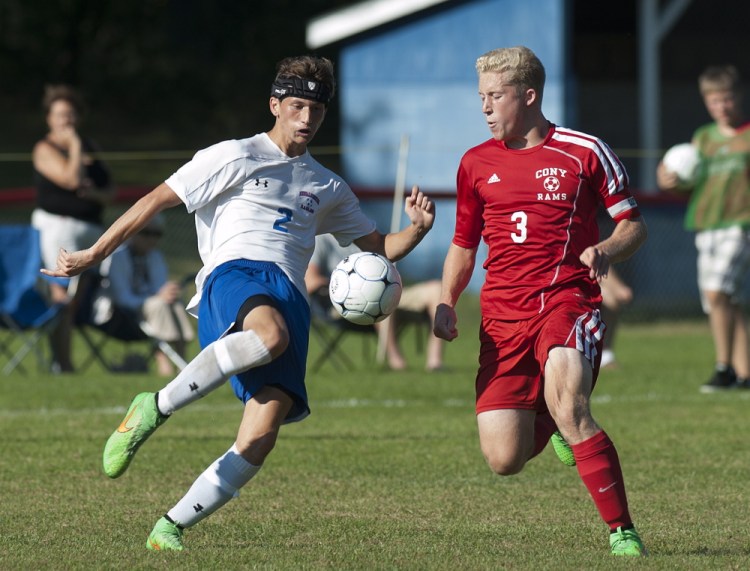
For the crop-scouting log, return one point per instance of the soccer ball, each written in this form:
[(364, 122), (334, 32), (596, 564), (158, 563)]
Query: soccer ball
[(365, 288), (682, 160)]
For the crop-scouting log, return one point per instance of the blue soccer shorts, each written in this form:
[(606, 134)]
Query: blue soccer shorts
[(225, 291)]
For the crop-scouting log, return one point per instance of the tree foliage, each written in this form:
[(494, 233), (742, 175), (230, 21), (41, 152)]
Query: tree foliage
[(155, 74)]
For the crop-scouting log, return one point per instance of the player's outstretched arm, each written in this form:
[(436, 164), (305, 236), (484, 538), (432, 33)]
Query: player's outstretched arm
[(421, 212), (134, 219), (457, 270), (420, 209)]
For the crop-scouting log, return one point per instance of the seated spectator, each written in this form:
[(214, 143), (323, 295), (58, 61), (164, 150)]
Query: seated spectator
[(135, 285), (419, 297)]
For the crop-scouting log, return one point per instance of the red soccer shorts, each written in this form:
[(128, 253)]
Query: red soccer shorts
[(513, 354)]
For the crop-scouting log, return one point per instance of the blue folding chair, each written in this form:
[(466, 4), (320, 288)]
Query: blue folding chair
[(25, 314)]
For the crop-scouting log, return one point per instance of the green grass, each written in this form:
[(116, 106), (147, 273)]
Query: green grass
[(385, 474)]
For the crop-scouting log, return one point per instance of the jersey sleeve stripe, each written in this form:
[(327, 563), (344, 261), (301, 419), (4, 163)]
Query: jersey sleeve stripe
[(616, 175)]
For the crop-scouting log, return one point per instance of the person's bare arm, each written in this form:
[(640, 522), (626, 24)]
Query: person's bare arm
[(624, 241), (666, 180), (457, 271), (65, 172), (394, 246), (134, 219)]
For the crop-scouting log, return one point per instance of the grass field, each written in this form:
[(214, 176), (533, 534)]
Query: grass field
[(385, 474)]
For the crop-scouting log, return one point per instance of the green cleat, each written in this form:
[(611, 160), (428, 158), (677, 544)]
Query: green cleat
[(562, 449), (142, 419), (626, 542), (166, 536)]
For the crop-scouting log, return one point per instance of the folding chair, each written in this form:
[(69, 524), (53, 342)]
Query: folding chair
[(122, 326), (331, 332), (420, 321), (25, 313)]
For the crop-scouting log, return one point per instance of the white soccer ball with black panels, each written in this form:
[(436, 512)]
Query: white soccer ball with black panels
[(683, 160), (365, 288)]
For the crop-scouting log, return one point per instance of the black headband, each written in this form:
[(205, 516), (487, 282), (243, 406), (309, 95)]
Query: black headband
[(287, 86)]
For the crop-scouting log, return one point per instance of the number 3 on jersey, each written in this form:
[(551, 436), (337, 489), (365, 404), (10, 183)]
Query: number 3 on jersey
[(520, 219), (279, 223)]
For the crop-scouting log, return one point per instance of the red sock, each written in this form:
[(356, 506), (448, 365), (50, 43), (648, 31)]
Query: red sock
[(544, 426), (599, 468)]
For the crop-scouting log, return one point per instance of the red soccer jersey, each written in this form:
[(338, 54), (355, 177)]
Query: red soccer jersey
[(536, 210)]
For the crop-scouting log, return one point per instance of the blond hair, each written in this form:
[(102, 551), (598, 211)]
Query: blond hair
[(519, 64), (719, 78)]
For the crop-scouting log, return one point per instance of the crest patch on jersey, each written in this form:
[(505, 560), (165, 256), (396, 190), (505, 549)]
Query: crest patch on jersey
[(308, 201)]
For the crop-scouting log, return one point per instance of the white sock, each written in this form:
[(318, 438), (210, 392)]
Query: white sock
[(218, 484), (211, 368)]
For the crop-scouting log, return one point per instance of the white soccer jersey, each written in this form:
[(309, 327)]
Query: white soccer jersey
[(251, 201)]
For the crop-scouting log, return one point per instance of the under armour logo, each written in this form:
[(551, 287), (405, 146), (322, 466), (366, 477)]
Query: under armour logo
[(258, 182), (198, 508), (193, 386)]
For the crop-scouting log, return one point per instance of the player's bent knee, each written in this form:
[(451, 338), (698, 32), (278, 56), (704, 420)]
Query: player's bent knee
[(257, 448), (506, 469), (276, 339), (270, 327), (505, 465)]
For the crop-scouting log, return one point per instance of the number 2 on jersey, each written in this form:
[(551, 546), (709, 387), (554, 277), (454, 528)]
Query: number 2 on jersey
[(520, 219), (279, 223)]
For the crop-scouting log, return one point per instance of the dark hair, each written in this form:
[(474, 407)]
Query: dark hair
[(308, 67), (63, 92)]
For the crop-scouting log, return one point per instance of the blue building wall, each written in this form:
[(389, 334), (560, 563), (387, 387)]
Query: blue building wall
[(419, 80)]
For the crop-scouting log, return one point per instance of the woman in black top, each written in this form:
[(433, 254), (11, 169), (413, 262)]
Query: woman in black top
[(73, 187)]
